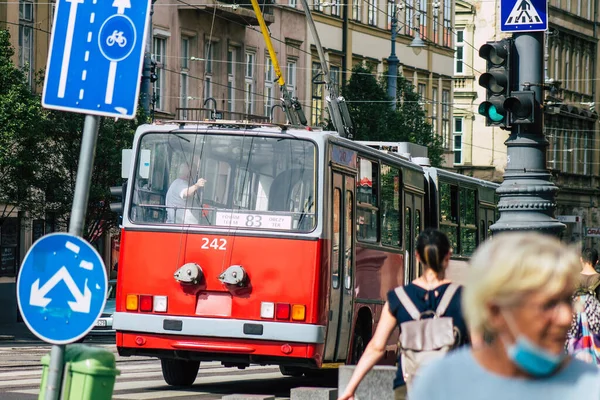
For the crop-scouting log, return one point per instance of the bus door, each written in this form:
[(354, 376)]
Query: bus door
[(413, 225), (341, 268)]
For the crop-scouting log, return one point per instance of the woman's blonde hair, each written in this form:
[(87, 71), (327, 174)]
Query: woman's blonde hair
[(511, 265)]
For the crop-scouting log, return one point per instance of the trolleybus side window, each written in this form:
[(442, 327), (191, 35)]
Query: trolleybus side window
[(335, 256), (468, 221), (367, 210), (250, 181), (449, 213), (391, 234)]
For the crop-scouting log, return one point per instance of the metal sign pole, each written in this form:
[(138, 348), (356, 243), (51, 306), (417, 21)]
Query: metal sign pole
[(78, 211)]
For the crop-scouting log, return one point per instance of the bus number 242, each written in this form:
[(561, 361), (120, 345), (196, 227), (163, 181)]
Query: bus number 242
[(217, 244)]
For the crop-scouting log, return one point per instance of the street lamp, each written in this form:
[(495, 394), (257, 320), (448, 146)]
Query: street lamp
[(417, 43), (393, 61)]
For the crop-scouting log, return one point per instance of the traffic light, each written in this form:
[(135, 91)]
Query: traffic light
[(118, 192), (521, 107), (153, 76), (496, 80)]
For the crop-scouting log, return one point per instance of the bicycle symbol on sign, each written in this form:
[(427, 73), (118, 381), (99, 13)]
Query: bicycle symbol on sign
[(116, 37)]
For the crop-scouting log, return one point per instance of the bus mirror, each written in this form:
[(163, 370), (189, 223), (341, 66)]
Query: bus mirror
[(125, 162)]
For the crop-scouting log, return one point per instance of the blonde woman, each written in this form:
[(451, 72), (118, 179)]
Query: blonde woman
[(518, 294)]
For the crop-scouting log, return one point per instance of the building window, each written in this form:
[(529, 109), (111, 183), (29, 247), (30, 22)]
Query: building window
[(371, 12), (565, 152), (459, 54), (26, 38), (587, 153), (334, 77), (249, 83), (567, 68), (445, 116), (293, 3), (447, 23), (316, 94), (423, 19), (356, 10), (458, 131), (587, 74), (556, 62), (436, 23), (422, 90), (183, 84), (269, 78), (335, 8), (209, 52), (317, 5), (409, 12), (589, 9), (391, 6), (576, 81), (554, 148), (231, 65), (160, 57), (292, 80), (575, 156), (579, 7), (434, 110)]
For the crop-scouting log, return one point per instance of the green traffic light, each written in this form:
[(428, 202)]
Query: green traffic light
[(494, 115), (490, 111)]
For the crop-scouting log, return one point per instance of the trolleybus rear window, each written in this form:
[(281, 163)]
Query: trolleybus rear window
[(249, 181)]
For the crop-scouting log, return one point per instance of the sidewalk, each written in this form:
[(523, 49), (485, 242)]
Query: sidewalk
[(16, 332)]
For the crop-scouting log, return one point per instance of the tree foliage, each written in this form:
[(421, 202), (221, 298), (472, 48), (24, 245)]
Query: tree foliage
[(375, 120), (21, 136), (39, 154)]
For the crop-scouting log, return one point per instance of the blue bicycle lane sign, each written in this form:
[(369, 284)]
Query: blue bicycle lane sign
[(61, 288)]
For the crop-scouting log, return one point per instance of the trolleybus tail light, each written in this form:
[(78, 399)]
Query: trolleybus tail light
[(267, 310), (298, 312), (160, 303), (282, 311), (145, 303), (132, 302)]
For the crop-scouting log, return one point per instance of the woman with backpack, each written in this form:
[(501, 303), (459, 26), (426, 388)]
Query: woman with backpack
[(518, 294), (411, 308)]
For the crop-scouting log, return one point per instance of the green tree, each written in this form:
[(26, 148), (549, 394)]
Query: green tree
[(375, 120), (39, 154), (65, 131), (22, 138)]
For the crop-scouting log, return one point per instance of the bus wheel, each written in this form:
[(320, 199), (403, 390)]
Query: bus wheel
[(179, 372), (291, 371), (358, 344)]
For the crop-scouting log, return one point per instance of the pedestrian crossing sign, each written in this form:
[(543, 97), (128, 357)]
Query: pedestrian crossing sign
[(523, 15)]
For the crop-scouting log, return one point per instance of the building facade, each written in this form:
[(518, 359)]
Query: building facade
[(570, 120), (358, 31)]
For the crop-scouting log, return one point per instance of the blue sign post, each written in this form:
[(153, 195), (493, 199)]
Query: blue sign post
[(523, 15), (61, 288), (96, 56)]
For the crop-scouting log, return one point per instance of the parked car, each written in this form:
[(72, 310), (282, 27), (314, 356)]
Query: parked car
[(104, 323)]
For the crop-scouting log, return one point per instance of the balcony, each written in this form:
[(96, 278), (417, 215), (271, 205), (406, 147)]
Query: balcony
[(236, 11)]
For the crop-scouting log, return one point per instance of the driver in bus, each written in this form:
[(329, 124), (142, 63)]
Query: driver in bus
[(178, 197)]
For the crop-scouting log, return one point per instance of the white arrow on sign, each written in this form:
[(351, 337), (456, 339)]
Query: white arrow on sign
[(82, 300), (62, 83), (121, 5)]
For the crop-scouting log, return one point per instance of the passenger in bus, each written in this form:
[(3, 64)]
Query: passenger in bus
[(179, 197), (426, 293), (518, 292)]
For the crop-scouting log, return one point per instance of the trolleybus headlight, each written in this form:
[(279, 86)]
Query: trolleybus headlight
[(267, 310), (282, 311), (160, 303), (298, 312), (132, 302), (145, 303)]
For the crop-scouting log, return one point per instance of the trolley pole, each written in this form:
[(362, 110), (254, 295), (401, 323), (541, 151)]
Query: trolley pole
[(527, 197)]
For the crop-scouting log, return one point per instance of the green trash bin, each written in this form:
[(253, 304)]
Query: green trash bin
[(89, 373)]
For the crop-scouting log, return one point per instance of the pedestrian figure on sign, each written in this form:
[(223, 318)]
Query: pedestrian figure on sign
[(428, 313), (518, 293)]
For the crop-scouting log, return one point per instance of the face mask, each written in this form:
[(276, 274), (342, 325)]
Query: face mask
[(530, 357)]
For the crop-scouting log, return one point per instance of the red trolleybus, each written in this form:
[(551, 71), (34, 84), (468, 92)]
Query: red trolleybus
[(283, 257)]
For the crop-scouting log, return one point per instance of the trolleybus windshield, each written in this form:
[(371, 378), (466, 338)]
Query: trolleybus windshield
[(253, 182)]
